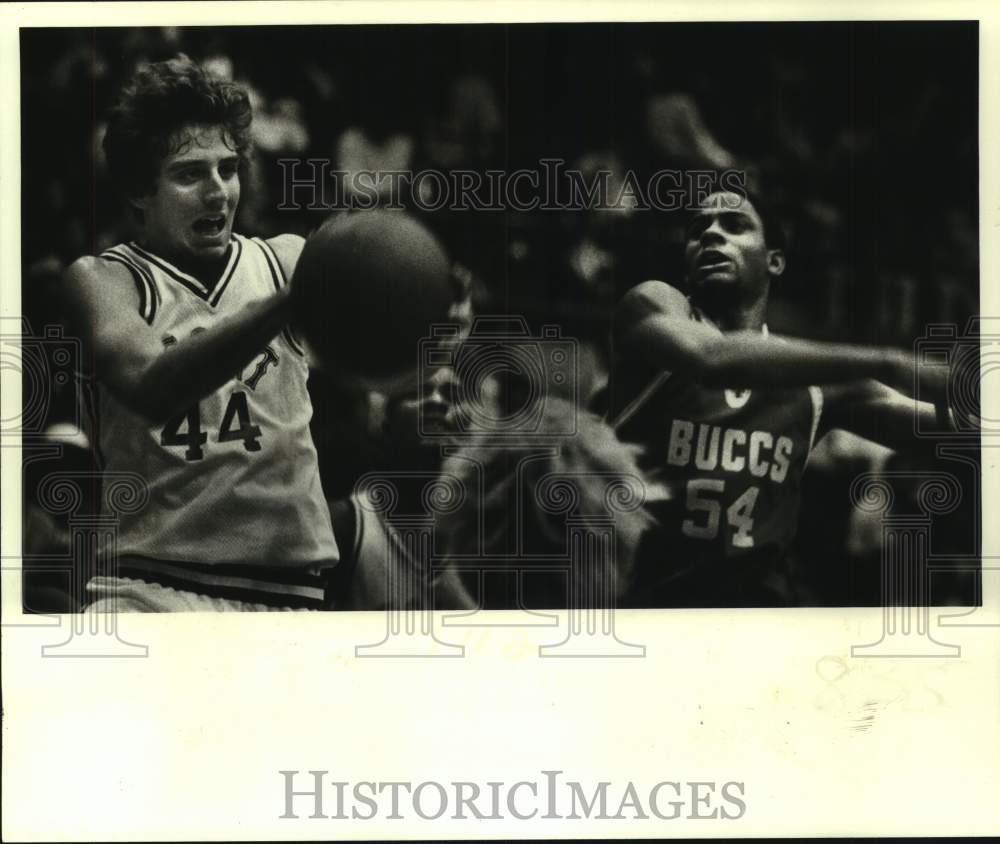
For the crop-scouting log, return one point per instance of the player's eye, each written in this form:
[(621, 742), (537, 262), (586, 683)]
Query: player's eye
[(188, 175), (696, 228), (228, 169)]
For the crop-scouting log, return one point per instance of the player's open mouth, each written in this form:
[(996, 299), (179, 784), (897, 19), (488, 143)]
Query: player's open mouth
[(438, 423), (712, 259), (210, 226)]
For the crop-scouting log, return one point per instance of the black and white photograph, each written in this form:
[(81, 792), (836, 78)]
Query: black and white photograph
[(620, 267), (652, 343)]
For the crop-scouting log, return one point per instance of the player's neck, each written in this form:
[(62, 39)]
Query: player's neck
[(744, 319), (736, 316), (206, 270)]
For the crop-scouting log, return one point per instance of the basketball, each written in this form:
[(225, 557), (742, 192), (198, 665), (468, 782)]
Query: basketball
[(367, 288)]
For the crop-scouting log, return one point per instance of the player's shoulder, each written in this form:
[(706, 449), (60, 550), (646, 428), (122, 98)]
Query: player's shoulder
[(98, 293), (648, 299), (657, 296), (87, 267), (287, 248), (287, 241), (92, 274)]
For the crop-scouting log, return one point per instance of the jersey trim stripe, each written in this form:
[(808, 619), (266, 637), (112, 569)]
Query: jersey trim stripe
[(143, 284), (340, 578), (232, 593), (220, 288), (190, 282), (89, 399), (272, 585), (646, 393), (816, 394), (359, 527), (279, 280), (634, 406), (277, 276)]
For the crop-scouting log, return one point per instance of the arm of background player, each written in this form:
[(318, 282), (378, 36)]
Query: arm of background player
[(652, 324), (881, 414), (129, 357)]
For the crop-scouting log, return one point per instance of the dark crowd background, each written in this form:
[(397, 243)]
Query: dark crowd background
[(864, 135)]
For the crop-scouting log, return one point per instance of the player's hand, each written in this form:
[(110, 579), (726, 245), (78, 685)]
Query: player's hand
[(926, 381), (932, 380)]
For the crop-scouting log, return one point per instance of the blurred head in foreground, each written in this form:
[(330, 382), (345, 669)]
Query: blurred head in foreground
[(552, 525)]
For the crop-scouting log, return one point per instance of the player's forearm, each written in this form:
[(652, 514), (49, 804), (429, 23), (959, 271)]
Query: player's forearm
[(747, 359), (196, 366), (892, 420)]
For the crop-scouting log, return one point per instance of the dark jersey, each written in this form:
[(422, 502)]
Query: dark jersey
[(731, 462)]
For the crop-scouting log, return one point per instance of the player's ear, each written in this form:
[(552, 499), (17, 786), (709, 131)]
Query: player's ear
[(135, 208), (775, 262)]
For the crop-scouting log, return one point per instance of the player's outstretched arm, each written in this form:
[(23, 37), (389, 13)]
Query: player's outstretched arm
[(883, 415), (653, 324), (129, 356)]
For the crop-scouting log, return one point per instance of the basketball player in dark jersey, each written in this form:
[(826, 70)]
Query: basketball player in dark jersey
[(727, 414)]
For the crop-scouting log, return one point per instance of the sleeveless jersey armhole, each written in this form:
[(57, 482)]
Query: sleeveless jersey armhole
[(816, 397), (645, 394), (143, 280), (280, 281)]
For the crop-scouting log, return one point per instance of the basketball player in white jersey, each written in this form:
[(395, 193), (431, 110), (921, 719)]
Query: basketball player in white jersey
[(727, 415), (195, 384)]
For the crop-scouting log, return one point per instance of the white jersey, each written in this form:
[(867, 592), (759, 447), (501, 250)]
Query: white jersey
[(384, 569), (385, 574), (236, 508)]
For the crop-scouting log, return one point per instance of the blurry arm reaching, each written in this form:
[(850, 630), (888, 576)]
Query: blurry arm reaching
[(880, 414), (653, 324), (129, 357)]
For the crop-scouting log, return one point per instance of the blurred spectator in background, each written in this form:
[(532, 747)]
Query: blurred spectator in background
[(515, 511), (678, 132), (468, 133), (879, 184), (49, 581)]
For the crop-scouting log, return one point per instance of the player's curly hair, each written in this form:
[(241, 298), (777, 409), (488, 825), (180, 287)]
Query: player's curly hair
[(161, 99)]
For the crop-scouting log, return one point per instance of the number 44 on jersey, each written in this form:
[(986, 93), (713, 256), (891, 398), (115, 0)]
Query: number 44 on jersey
[(185, 429)]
